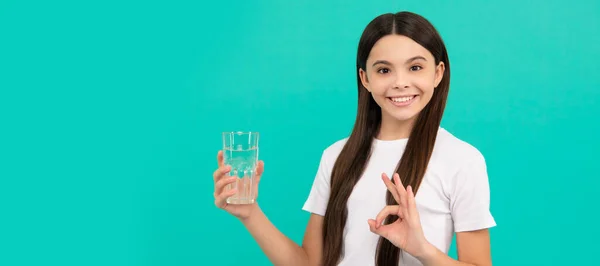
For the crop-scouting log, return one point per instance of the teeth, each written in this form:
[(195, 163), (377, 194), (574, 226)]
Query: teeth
[(402, 99)]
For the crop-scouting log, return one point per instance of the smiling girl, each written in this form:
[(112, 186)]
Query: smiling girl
[(398, 189)]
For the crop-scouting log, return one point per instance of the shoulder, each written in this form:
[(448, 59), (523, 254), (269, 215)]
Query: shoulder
[(452, 153), (458, 165), (331, 152), (329, 157)]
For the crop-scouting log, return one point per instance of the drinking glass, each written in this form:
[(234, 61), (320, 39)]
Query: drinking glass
[(240, 151)]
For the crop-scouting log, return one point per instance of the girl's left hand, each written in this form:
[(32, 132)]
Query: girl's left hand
[(405, 233)]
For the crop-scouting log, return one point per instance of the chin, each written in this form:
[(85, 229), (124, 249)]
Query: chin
[(406, 111), (404, 117)]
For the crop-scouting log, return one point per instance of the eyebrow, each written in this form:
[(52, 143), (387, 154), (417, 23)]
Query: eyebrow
[(407, 61)]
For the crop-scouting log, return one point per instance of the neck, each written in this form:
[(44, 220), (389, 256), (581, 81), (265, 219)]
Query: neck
[(392, 128)]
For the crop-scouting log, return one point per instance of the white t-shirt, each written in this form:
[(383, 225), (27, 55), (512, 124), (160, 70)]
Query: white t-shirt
[(454, 195)]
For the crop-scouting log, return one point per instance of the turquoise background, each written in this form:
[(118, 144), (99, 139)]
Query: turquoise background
[(111, 113)]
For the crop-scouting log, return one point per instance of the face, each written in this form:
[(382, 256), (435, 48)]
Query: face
[(401, 76)]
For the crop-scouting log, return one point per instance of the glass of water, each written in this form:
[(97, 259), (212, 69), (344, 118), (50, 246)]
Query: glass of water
[(240, 151)]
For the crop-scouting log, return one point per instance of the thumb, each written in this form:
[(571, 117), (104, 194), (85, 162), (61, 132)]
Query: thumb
[(260, 168), (374, 229)]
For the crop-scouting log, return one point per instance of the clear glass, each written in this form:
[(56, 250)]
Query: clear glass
[(240, 151)]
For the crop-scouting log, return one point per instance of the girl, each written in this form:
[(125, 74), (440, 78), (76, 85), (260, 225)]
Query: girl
[(438, 185)]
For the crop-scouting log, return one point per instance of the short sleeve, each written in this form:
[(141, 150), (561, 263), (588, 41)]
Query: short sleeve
[(319, 193), (470, 199)]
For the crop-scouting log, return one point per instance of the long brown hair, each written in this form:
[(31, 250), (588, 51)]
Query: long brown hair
[(354, 156)]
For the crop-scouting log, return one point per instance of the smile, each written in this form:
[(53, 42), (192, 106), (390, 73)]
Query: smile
[(402, 101)]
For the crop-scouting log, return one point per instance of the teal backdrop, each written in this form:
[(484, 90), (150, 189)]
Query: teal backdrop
[(112, 113)]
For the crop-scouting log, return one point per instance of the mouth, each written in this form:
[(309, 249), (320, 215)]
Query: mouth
[(402, 101)]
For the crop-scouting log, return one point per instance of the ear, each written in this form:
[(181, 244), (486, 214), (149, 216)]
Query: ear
[(363, 78), (439, 73)]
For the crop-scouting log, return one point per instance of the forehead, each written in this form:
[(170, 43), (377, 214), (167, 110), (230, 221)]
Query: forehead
[(397, 49)]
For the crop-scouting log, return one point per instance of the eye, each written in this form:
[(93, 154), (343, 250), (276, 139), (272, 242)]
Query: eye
[(415, 68), (383, 71)]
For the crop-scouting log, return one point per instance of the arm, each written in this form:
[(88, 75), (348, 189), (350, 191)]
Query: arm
[(280, 249), (407, 234), (473, 250), (470, 204)]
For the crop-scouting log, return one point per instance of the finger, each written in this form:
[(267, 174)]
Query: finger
[(220, 158), (400, 188), (373, 226), (403, 196), (388, 210), (257, 178), (220, 185), (412, 204), (382, 231), (220, 172), (390, 186), (221, 200), (260, 168)]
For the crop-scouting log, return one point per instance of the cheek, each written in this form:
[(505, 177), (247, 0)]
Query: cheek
[(379, 85), (378, 92), (426, 85)]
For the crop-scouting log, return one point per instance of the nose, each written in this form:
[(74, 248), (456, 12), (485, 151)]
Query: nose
[(400, 82)]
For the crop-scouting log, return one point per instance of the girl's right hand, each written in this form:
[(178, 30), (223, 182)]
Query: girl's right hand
[(222, 179)]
